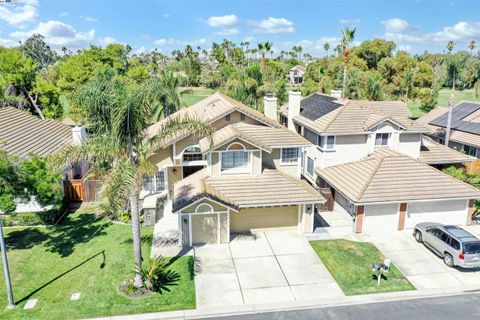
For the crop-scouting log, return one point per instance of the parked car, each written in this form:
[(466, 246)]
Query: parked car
[(455, 245)]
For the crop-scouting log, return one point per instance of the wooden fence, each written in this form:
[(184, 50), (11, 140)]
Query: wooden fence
[(81, 190), (473, 166)]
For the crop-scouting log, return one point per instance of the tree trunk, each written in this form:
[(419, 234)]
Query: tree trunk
[(344, 85), (34, 104), (137, 245)]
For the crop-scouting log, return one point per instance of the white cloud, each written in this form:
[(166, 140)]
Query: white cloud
[(350, 22), (107, 40), (273, 25), (395, 25), (166, 15), (63, 14), (175, 42), (8, 43), (223, 21), (58, 34), (407, 48), (20, 16), (89, 19), (139, 50)]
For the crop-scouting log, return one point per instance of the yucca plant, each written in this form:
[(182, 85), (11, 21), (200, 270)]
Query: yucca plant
[(156, 275)]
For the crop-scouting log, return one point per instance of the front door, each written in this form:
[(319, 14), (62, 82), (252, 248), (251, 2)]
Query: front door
[(189, 170)]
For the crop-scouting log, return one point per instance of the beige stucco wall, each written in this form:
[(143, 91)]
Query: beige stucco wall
[(410, 144), (250, 219), (234, 118), (173, 177), (307, 218), (347, 149), (254, 164), (162, 157), (274, 160)]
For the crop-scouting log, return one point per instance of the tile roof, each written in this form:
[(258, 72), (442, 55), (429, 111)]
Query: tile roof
[(264, 137), (388, 176), (209, 109), (271, 188), (22, 133), (434, 153), (325, 114)]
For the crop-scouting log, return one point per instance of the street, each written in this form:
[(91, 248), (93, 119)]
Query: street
[(461, 307)]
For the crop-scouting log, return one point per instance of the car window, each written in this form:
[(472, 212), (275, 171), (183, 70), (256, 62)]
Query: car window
[(454, 244), (471, 247), (435, 232), (445, 238)]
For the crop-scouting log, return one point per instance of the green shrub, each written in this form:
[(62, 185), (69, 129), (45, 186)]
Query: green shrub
[(33, 218), (156, 274), (125, 216)]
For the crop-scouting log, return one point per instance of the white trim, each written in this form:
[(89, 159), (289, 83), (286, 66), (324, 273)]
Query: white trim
[(209, 199), (260, 162), (218, 228), (389, 120), (234, 143), (288, 163), (279, 204), (190, 230), (239, 138), (241, 170), (174, 148), (204, 204), (228, 224), (180, 230), (210, 164), (196, 163), (408, 202), (324, 148), (299, 218)]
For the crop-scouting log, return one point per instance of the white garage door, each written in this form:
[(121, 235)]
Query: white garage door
[(446, 212), (382, 217)]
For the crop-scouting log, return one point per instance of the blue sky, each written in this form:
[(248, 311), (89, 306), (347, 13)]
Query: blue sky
[(416, 25)]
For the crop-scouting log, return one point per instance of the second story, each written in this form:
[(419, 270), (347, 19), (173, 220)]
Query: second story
[(344, 131)]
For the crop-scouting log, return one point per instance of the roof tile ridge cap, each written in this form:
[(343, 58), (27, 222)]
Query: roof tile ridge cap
[(341, 109), (379, 164)]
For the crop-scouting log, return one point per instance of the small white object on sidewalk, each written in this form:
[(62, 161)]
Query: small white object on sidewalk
[(75, 296), (30, 304)]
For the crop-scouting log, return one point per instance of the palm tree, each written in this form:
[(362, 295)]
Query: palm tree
[(326, 47), (450, 46), (347, 38), (472, 45), (119, 112)]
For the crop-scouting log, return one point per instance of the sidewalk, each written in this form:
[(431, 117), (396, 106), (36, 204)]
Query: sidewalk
[(289, 306)]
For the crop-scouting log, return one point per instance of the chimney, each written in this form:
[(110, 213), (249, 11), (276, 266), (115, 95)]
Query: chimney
[(336, 93), (270, 107), (79, 135), (293, 108)]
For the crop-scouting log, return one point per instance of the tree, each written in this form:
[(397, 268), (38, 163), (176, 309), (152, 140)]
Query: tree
[(347, 38), (472, 45), (120, 146), (36, 48), (372, 51), (450, 46), (326, 47)]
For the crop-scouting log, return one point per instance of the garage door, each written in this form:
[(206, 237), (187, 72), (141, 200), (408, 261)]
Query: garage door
[(446, 212), (204, 228), (263, 218), (381, 218)]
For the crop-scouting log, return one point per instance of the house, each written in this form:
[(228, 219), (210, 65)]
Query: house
[(344, 133), (465, 127), (295, 74), (245, 178), (23, 135), (388, 190)]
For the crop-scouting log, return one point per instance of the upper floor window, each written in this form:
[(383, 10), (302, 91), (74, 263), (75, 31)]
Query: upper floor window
[(283, 120), (310, 166), (381, 139), (192, 154), (290, 155), (327, 142), (471, 151), (154, 183), (236, 157), (310, 136)]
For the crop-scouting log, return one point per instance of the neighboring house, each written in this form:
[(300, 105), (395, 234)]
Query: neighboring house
[(295, 74), (23, 135), (246, 178), (388, 191), (344, 133), (465, 127)]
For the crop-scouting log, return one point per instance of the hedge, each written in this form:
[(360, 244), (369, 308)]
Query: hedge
[(48, 217)]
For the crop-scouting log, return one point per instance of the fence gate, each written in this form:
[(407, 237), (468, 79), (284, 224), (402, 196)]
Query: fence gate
[(73, 190)]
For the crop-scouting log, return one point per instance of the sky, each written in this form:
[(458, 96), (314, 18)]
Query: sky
[(415, 25)]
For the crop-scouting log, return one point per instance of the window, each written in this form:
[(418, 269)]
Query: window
[(154, 183), (242, 117), (310, 136), (283, 120), (227, 118), (234, 160), (454, 244), (445, 238), (327, 142), (436, 232), (192, 154), (381, 139), (310, 165), (471, 151), (290, 155)]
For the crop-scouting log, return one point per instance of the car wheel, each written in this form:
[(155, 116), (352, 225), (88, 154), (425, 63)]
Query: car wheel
[(448, 259), (418, 236)]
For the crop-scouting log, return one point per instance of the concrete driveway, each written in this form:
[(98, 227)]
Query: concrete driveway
[(423, 268), (268, 267)]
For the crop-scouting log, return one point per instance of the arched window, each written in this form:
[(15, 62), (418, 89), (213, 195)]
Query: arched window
[(236, 157), (204, 208), (192, 153)]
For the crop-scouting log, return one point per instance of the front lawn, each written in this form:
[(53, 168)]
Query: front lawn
[(87, 255), (350, 265), (196, 95)]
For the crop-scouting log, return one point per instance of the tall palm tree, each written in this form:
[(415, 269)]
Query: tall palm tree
[(326, 47), (120, 146), (347, 38), (472, 45), (450, 46), (268, 47)]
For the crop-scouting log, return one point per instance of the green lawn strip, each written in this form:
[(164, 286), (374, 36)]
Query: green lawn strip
[(90, 256), (198, 94), (350, 265)]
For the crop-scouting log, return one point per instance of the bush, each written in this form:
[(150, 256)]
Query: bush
[(33, 218), (125, 216), (156, 275)]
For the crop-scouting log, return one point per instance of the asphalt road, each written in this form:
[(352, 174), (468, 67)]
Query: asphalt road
[(461, 307)]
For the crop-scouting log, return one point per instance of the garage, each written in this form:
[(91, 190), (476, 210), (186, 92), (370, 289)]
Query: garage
[(381, 217), (204, 228), (250, 219), (446, 212)]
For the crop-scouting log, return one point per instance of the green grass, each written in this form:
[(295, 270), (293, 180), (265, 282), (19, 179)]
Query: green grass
[(87, 255), (443, 96), (350, 265), (198, 94)]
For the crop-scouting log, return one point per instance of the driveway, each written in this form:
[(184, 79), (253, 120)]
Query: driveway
[(422, 267), (268, 267)]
